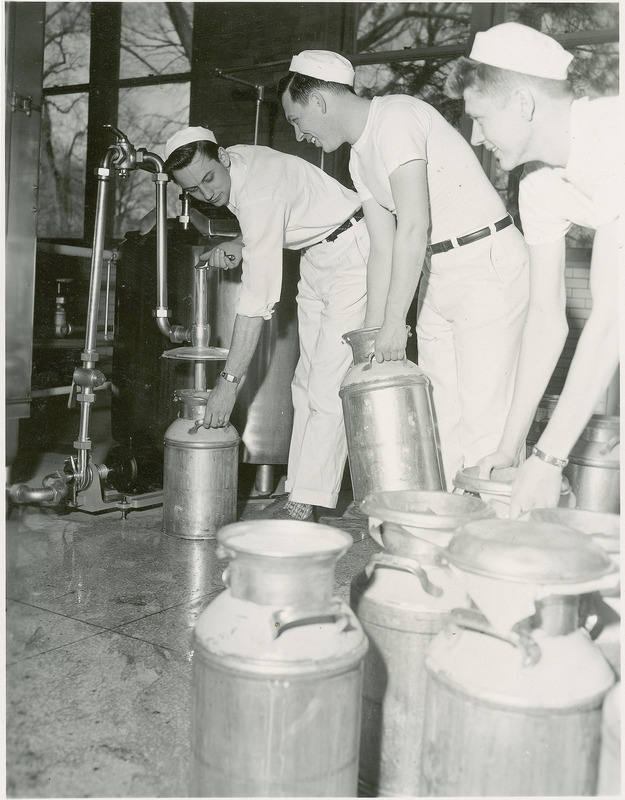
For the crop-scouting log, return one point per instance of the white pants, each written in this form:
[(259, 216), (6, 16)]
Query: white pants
[(331, 301), (471, 312)]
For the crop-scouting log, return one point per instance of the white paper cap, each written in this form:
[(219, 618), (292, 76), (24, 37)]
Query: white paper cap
[(186, 136), (325, 65), (521, 49)]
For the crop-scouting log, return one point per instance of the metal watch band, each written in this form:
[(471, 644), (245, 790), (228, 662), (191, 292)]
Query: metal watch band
[(556, 462), (227, 376)]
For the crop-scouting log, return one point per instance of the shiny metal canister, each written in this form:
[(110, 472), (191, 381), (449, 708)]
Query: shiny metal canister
[(594, 464), (594, 468), (277, 669), (402, 600), (516, 711), (497, 490), (200, 472), (392, 438)]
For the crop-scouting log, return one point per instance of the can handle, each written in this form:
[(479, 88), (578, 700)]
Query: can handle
[(405, 565), (287, 618), (472, 620)]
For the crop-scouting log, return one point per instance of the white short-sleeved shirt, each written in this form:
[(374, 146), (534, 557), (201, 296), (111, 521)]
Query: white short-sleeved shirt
[(400, 129), (588, 191), (281, 201)]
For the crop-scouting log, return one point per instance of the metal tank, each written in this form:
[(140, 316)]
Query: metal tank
[(402, 600), (496, 491), (610, 758), (594, 468), (514, 709), (594, 464), (142, 406), (277, 669), (392, 438), (200, 472)]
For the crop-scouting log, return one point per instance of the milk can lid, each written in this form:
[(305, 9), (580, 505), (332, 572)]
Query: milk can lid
[(425, 509), (283, 539), (499, 483), (527, 552)]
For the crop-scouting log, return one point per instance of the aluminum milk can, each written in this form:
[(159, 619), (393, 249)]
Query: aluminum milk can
[(610, 758), (277, 668), (593, 470), (402, 600), (200, 473), (517, 711), (392, 438), (497, 490)]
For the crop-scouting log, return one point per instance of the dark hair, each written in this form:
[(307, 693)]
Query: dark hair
[(469, 74), (300, 87), (186, 153)]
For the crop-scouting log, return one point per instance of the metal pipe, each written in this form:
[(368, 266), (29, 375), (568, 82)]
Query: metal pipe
[(22, 494), (200, 333), (90, 356), (176, 333)]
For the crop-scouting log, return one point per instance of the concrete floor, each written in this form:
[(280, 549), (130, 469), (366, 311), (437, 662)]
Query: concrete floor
[(99, 621)]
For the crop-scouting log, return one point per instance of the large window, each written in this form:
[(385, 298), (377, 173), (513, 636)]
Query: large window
[(152, 90)]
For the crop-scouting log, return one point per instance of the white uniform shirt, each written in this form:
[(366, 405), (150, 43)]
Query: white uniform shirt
[(400, 129), (281, 201), (587, 191)]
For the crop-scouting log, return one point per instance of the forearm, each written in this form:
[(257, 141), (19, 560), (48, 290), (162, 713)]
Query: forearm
[(245, 336), (592, 368), (541, 346), (408, 255), (378, 281)]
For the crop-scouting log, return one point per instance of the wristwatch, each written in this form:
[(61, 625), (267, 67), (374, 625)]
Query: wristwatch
[(227, 376)]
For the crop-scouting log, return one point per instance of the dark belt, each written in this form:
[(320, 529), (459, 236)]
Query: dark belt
[(443, 247), (358, 215)]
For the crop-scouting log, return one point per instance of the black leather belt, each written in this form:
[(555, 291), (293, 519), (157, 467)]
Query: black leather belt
[(356, 216), (448, 244)]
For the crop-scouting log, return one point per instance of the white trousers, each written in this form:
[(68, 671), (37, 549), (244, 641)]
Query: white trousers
[(331, 301), (471, 312)]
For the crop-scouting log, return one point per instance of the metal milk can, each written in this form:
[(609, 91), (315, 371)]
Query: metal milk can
[(277, 670), (497, 490), (402, 599), (594, 468), (610, 759), (200, 473), (392, 438), (605, 530), (516, 710)]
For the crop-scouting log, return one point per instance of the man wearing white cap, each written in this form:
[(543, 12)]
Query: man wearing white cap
[(426, 198), (282, 201), (516, 90)]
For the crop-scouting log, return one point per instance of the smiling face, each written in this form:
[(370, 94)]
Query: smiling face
[(311, 121), (500, 124), (206, 179)]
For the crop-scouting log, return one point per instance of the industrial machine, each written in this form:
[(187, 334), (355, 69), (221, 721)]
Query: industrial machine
[(129, 478)]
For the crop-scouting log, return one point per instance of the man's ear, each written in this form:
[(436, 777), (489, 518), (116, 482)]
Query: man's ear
[(319, 100), (224, 157), (526, 102)]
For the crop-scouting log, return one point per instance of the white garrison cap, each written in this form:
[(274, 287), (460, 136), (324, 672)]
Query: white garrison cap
[(521, 49), (325, 65), (186, 136)]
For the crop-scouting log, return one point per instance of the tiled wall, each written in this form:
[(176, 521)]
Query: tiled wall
[(578, 306)]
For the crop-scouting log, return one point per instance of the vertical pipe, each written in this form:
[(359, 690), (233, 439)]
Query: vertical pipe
[(199, 372)]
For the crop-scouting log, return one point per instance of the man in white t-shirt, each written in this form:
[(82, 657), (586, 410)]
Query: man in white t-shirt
[(516, 90), (426, 199), (282, 201)]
